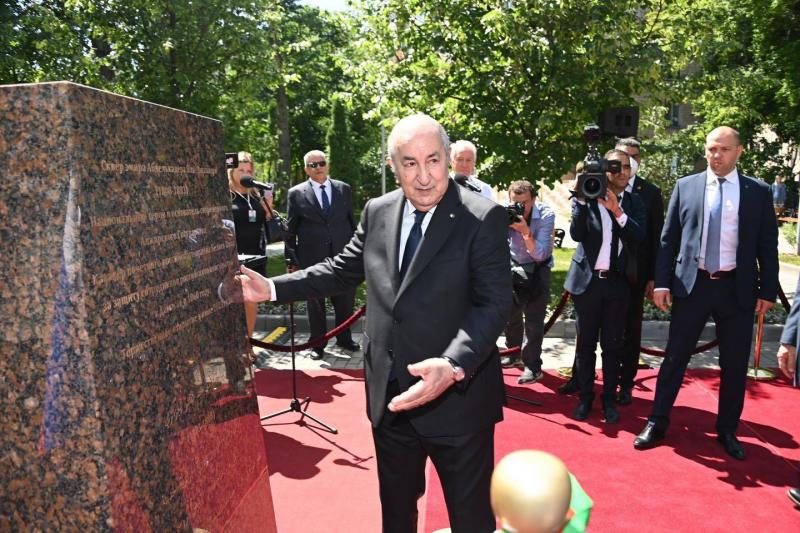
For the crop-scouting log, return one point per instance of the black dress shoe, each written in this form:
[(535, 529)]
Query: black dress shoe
[(624, 397), (350, 346), (610, 414), (570, 387), (317, 353), (581, 411), (732, 445), (649, 436), (794, 495)]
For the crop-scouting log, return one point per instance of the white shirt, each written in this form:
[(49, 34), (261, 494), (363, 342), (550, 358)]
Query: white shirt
[(604, 255), (407, 224), (729, 228), (629, 186), (318, 190)]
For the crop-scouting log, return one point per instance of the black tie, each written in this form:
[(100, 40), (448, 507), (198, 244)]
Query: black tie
[(414, 238), (614, 258), (326, 204)]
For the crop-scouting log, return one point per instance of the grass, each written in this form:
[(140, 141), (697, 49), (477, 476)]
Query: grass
[(792, 259)]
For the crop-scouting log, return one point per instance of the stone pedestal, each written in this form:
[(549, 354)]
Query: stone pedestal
[(126, 403)]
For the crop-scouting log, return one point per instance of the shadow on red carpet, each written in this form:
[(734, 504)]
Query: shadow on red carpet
[(325, 482)]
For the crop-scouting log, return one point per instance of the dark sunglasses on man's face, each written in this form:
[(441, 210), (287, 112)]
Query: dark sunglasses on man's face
[(317, 164)]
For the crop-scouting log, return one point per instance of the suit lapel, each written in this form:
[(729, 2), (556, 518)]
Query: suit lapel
[(311, 198), (441, 225), (745, 209), (697, 193), (336, 196), (393, 227)]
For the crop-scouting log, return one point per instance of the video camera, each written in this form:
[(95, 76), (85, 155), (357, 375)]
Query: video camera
[(592, 181), (231, 160)]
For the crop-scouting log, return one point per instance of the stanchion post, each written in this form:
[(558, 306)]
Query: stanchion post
[(756, 372)]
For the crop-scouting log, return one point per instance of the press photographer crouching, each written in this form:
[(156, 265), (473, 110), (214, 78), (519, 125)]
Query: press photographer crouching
[(530, 239)]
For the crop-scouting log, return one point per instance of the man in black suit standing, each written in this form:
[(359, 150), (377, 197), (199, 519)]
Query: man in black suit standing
[(435, 259), (645, 267), (321, 222), (607, 230), (719, 258)]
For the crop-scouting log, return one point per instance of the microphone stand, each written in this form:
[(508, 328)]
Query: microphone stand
[(296, 405)]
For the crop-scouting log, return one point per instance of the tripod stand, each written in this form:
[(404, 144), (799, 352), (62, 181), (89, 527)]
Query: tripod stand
[(296, 405)]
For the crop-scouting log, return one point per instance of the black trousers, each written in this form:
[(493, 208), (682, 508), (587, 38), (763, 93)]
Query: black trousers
[(734, 326), (464, 464), (342, 308), (600, 314), (629, 362)]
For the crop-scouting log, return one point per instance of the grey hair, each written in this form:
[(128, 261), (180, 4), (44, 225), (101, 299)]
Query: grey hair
[(461, 145), (312, 153), (404, 123)]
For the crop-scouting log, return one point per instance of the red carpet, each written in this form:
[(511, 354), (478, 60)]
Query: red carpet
[(324, 482)]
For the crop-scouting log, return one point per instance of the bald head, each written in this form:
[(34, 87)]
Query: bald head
[(723, 148), (530, 492)]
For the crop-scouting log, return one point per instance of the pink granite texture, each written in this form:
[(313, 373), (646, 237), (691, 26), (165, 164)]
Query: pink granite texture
[(126, 404)]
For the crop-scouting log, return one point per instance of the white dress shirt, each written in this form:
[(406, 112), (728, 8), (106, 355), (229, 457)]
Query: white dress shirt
[(729, 228), (604, 255), (408, 223), (318, 190)]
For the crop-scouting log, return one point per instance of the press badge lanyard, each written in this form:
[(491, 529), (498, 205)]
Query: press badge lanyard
[(251, 213)]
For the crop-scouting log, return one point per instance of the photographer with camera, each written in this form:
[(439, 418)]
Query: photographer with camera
[(250, 210), (530, 240), (607, 228)]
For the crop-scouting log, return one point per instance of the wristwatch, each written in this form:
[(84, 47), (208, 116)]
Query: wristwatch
[(458, 372)]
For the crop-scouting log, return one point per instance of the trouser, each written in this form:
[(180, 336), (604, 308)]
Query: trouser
[(629, 362), (600, 314), (734, 327), (342, 307), (530, 306)]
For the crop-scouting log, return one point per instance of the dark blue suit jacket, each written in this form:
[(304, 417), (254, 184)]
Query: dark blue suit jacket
[(586, 228), (756, 256), (313, 236)]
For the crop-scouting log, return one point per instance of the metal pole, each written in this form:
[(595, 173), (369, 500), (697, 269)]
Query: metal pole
[(383, 158)]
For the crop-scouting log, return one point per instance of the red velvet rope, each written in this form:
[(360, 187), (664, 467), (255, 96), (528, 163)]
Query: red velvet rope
[(313, 343)]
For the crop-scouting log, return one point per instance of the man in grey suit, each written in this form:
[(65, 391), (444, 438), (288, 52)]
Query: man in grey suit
[(321, 222), (435, 259), (787, 360), (718, 258)]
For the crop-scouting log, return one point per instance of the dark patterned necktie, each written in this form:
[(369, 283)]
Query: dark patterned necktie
[(414, 238), (326, 204)]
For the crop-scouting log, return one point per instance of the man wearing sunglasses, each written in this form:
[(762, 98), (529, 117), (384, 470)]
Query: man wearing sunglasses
[(321, 223)]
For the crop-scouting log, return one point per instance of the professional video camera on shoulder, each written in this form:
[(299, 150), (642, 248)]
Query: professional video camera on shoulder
[(592, 181)]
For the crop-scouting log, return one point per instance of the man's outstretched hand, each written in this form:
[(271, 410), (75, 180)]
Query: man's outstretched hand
[(254, 286), (437, 376)]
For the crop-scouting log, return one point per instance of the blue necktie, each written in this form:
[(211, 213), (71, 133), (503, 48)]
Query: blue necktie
[(414, 238), (714, 231), (326, 204)]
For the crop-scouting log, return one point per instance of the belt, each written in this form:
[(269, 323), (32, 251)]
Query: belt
[(720, 274), (605, 274)]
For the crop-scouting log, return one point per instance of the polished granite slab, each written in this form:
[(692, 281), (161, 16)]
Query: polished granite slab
[(126, 402)]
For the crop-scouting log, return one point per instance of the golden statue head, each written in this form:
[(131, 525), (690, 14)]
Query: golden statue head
[(531, 492)]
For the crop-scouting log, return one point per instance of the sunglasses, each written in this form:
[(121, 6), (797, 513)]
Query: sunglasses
[(317, 164)]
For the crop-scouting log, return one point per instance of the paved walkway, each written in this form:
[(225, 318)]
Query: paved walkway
[(557, 352)]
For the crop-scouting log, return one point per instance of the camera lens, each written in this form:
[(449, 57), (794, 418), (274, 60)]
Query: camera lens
[(591, 187)]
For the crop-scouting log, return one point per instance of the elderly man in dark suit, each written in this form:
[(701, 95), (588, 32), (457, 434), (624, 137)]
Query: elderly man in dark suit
[(718, 258), (607, 230), (646, 253), (435, 259), (321, 222), (787, 360)]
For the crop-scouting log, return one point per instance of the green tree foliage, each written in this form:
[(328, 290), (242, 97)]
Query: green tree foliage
[(520, 79), (342, 159)]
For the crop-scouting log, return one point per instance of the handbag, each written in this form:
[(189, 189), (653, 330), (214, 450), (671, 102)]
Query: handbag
[(277, 227)]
